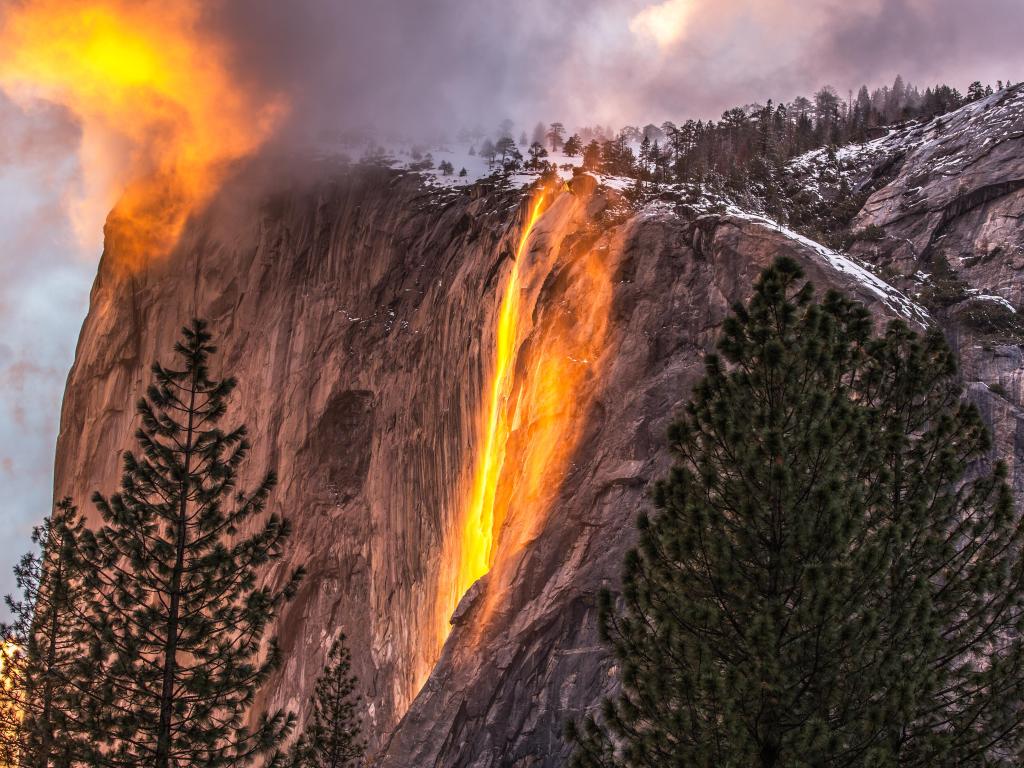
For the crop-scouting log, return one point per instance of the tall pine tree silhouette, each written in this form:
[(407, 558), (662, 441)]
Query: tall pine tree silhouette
[(42, 696), (834, 574), (332, 737), (178, 618)]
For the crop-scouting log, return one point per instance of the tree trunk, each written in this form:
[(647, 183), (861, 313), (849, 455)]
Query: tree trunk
[(163, 743), (769, 755), (46, 716)]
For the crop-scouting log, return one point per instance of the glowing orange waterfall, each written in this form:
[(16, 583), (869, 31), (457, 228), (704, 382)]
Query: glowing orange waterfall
[(477, 540), (560, 372), (546, 365)]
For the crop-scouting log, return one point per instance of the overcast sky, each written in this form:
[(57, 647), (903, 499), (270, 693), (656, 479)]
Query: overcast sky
[(437, 65)]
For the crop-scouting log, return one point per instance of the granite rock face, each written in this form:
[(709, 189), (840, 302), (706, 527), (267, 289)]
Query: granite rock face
[(948, 228), (350, 311), (358, 312), (957, 194)]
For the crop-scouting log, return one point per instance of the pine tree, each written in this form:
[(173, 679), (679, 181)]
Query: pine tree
[(510, 154), (332, 737), (834, 576), (556, 136), (540, 134), (178, 620), (592, 156), (537, 155), (42, 696), (488, 152), (505, 128), (645, 158)]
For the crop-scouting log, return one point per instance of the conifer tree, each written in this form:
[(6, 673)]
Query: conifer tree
[(42, 700), (644, 158), (540, 134), (834, 574), (332, 737), (178, 619), (537, 155), (556, 136), (488, 151), (510, 155), (573, 146)]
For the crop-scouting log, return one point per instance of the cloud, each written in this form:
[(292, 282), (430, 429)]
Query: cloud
[(435, 64), (928, 41), (44, 284), (664, 23)]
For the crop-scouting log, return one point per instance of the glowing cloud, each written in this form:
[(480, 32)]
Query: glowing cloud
[(160, 112), (665, 22)]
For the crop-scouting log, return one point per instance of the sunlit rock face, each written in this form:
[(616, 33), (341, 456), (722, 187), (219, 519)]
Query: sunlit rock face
[(351, 311), (504, 688), (360, 312)]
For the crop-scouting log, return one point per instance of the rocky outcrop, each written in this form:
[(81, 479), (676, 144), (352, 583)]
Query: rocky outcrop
[(947, 227), (350, 310), (943, 204), (957, 195), (358, 311)]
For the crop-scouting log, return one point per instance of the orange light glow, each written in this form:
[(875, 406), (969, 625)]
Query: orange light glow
[(160, 113), (468, 554), (549, 406), (10, 710), (8, 651)]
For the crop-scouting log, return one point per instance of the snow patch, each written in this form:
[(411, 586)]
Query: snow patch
[(887, 294), (977, 295)]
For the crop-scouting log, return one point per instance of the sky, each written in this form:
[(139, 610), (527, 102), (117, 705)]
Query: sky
[(314, 67)]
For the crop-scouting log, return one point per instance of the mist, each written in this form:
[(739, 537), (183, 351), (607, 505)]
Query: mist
[(441, 65)]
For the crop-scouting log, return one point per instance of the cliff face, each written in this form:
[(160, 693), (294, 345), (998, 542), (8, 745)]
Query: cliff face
[(350, 312), (947, 227), (361, 314)]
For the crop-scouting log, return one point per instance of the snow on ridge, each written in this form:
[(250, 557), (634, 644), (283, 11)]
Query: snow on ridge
[(847, 155), (943, 141), (977, 295), (887, 294)]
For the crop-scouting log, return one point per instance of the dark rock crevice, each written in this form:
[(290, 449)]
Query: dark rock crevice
[(965, 203)]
